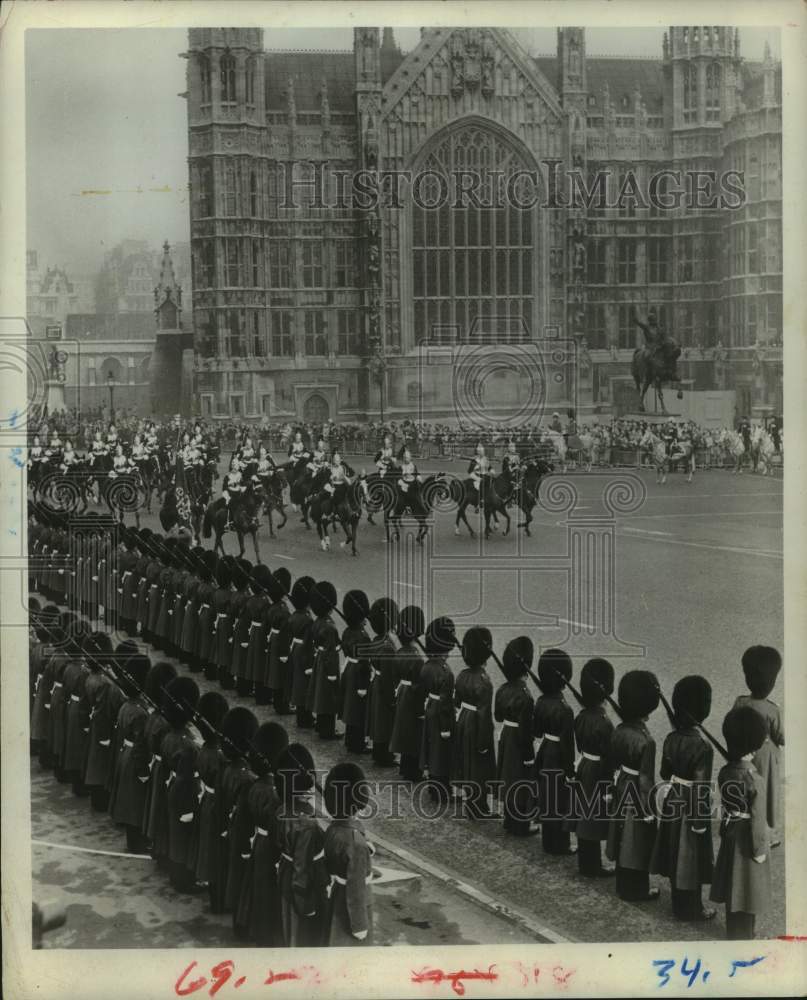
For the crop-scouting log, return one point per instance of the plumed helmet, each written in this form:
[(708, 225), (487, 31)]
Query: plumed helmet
[(224, 575), (322, 599), (761, 666), (281, 583), (300, 592), (161, 674), (269, 741), (238, 727), (132, 674), (638, 694), (261, 576), (554, 669), (383, 616), (180, 700), (744, 731), (477, 646), (441, 637), (691, 700), (596, 681), (355, 608), (411, 623), (294, 771), (212, 708), (517, 657), (346, 790)]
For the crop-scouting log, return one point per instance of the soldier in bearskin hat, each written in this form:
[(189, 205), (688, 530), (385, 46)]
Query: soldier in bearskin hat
[(155, 727), (256, 607), (238, 729), (761, 666), (742, 877), (515, 762), (595, 771), (553, 724), (295, 646), (683, 850), (275, 687), (632, 830), (302, 873), (104, 698), (407, 727), (257, 918), (323, 687), (356, 674), (474, 762), (202, 651), (438, 724), (222, 621), (383, 618), (128, 792), (348, 858), (207, 842), (242, 623)]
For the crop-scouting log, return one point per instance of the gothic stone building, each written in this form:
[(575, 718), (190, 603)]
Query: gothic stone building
[(322, 309)]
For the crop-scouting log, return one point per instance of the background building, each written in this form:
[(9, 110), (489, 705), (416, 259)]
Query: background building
[(318, 311)]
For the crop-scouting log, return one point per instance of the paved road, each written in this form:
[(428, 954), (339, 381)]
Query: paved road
[(697, 578)]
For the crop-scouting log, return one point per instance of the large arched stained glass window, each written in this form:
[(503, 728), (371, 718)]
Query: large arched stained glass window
[(473, 267)]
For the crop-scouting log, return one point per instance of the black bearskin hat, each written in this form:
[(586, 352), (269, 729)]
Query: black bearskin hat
[(441, 637), (132, 674), (744, 731), (224, 575), (261, 575), (159, 676), (277, 585), (411, 623), (355, 608), (212, 708), (691, 700), (294, 771), (124, 650), (517, 657), (300, 592), (477, 646), (346, 790), (238, 728), (761, 666), (242, 573), (554, 669), (269, 741), (322, 599), (383, 616), (638, 694), (180, 700), (596, 682)]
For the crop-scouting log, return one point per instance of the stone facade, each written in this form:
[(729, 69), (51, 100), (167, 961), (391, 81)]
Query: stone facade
[(321, 310)]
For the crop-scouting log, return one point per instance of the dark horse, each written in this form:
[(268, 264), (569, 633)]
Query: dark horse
[(419, 500), (243, 519), (500, 494), (654, 366), (343, 506)]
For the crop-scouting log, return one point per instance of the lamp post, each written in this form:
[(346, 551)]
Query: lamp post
[(110, 382)]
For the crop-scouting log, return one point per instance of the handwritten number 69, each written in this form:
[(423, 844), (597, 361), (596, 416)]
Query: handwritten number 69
[(220, 974)]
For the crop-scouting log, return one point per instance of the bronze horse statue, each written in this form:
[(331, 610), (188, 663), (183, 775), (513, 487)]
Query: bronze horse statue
[(655, 363)]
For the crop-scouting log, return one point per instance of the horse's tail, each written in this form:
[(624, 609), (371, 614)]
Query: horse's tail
[(206, 526)]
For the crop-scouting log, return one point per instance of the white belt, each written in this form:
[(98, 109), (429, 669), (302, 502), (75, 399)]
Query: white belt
[(56, 684), (256, 624), (208, 789), (320, 649), (128, 743), (405, 684), (273, 631), (221, 614), (295, 641), (681, 781), (510, 724), (350, 659), (552, 738), (202, 607), (433, 697), (319, 856), (590, 756), (127, 573), (286, 857), (158, 758), (630, 770), (74, 697), (261, 832), (464, 704), (738, 816), (343, 881)]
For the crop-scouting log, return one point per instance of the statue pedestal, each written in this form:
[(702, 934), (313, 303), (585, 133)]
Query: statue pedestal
[(652, 418), (54, 395)]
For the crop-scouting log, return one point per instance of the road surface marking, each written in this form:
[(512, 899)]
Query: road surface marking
[(568, 621), (646, 531), (766, 553), (710, 513), (403, 583), (279, 555), (91, 850)]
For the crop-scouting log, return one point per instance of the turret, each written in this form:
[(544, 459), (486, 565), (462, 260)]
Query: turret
[(700, 70), (572, 86), (225, 75)]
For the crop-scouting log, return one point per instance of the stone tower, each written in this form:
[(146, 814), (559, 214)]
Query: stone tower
[(172, 360)]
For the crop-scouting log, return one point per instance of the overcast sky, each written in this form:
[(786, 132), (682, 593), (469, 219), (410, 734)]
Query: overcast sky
[(103, 115)]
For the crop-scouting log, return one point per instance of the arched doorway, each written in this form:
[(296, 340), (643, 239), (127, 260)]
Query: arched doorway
[(315, 409), (475, 267)]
